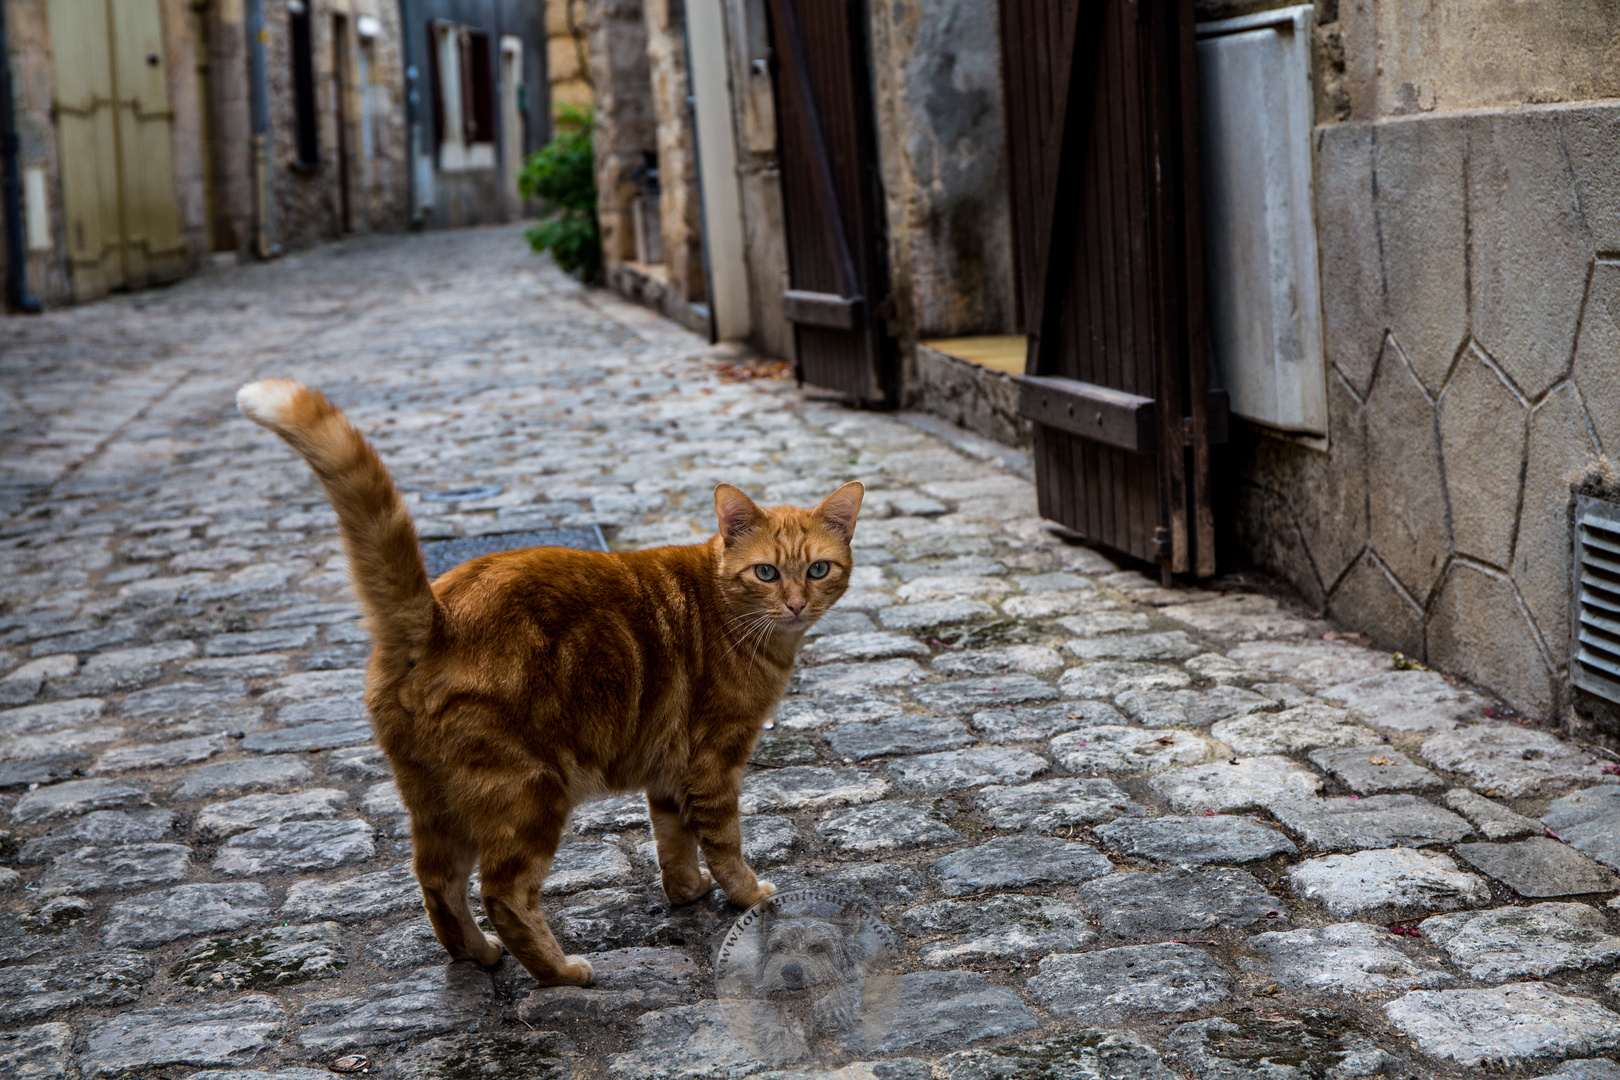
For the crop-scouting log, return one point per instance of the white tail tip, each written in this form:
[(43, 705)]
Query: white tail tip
[(265, 402)]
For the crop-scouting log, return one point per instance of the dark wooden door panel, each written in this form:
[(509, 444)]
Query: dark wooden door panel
[(832, 198), (1103, 176)]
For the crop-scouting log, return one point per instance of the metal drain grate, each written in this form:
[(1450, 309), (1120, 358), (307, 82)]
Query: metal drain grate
[(441, 555), (1595, 630)]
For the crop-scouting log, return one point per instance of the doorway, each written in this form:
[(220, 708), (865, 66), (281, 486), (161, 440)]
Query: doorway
[(115, 142), (340, 115)]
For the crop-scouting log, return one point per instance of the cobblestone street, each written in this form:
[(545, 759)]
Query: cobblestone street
[(1121, 831)]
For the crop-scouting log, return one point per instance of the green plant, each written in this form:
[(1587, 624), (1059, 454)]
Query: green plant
[(563, 176)]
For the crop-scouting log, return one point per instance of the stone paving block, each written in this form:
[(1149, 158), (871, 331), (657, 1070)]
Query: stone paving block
[(1048, 806), (1013, 862), (42, 1052), (228, 777), (1178, 902), (335, 709), (1167, 645), (383, 800), (538, 1055), (1313, 663), (1293, 730), (1408, 700), (768, 840), (1375, 770), (954, 770), (118, 868), (808, 788), (1511, 762), (971, 695), (99, 828), (886, 884), (1504, 1026), (1238, 616), (933, 613), (1029, 723), (587, 865), (128, 669), (1007, 927), (322, 735), (1301, 1046), (1113, 748), (1132, 981), (51, 716), (1589, 821), (884, 826), (277, 956), (856, 679), (1387, 884), (806, 715), (1193, 708), (1239, 785), (431, 1001), (1540, 867), (947, 1009), (933, 588), (1089, 1054), (913, 733), (1491, 820), (294, 846), (1378, 821), (628, 982), (160, 755), (222, 820), (165, 915), (1510, 942), (684, 1042), (861, 646), (1585, 1069), (227, 1033), (1343, 958), (1101, 680), (615, 918), (1218, 838), (612, 814), (1026, 658), (34, 991), (77, 797), (1045, 605)]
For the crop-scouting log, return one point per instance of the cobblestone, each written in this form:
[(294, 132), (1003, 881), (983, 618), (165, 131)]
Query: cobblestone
[(1020, 752)]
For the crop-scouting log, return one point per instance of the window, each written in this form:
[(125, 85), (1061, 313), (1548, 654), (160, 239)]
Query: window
[(463, 97), (367, 27), (305, 120)]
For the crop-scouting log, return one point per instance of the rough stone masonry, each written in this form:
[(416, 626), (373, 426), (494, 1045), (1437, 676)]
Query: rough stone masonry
[(1121, 830)]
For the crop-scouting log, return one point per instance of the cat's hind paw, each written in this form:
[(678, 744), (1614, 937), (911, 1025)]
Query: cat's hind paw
[(490, 955), (686, 892)]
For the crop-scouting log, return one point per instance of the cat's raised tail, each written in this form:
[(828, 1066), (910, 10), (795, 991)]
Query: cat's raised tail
[(378, 536)]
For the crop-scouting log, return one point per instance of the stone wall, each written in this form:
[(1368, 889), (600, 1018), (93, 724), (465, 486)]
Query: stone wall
[(568, 58), (36, 132), (625, 122), (1471, 303), (980, 399), (680, 210), (936, 68)]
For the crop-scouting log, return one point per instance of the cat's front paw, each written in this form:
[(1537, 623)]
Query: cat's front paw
[(576, 971), (763, 890), (490, 954)]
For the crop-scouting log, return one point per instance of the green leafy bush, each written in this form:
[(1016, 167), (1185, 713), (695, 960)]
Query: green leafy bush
[(563, 175)]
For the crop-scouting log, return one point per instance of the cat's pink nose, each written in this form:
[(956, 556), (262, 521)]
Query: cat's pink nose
[(795, 605)]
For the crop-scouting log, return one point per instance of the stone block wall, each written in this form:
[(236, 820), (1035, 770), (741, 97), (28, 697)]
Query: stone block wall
[(29, 38), (568, 58), (680, 211), (1471, 295), (980, 399), (625, 121)]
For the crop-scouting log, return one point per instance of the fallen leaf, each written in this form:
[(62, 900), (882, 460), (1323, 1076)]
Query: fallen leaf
[(1380, 759)]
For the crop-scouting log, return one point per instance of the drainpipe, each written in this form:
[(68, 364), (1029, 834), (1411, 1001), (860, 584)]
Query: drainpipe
[(259, 110), (11, 185)]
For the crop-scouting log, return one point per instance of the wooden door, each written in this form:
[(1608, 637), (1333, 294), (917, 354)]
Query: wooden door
[(1102, 143), (114, 138), (832, 198)]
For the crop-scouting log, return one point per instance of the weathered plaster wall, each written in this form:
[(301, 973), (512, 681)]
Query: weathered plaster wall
[(232, 137), (1472, 321), (680, 210), (625, 122), (937, 88), (36, 132)]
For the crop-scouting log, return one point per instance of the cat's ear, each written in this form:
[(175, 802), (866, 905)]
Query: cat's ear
[(738, 514), (838, 510)]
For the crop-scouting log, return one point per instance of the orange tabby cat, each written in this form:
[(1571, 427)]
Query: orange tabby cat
[(519, 685)]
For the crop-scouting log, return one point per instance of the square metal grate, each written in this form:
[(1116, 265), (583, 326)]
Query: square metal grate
[(1595, 626), (441, 555)]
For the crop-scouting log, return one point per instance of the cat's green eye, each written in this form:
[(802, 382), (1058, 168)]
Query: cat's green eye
[(819, 569), (766, 572)]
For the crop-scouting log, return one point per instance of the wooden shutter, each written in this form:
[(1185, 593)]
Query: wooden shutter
[(435, 85), (1102, 141), (832, 198)]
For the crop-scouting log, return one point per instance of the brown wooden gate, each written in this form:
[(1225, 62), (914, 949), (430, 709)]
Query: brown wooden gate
[(832, 197), (1102, 149)]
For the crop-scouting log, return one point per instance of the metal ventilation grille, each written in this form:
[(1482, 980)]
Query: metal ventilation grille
[(1595, 650)]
